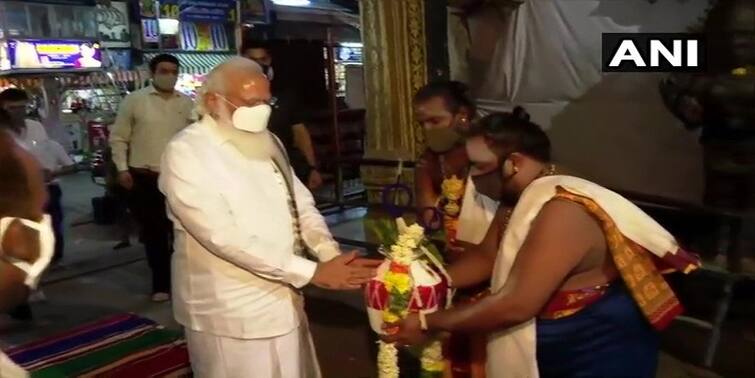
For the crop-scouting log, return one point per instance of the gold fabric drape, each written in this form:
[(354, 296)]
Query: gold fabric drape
[(393, 34)]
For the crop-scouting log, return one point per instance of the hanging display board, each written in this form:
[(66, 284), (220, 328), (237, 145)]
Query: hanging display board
[(52, 54), (113, 25)]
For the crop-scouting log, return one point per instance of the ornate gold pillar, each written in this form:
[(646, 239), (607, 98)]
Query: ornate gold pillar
[(393, 34)]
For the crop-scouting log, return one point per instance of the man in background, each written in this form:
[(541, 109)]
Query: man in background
[(24, 233), (146, 121), (32, 136), (50, 154), (286, 121)]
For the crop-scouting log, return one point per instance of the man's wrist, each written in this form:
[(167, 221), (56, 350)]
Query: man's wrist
[(300, 271), (434, 322)]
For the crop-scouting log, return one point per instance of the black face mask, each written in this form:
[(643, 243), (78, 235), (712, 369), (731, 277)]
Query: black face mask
[(490, 184)]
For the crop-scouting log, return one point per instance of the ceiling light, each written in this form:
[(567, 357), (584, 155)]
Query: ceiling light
[(292, 3)]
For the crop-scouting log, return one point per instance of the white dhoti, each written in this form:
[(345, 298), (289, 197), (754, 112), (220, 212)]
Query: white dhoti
[(289, 356)]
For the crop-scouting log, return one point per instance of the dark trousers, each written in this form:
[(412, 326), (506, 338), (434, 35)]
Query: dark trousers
[(147, 205), (55, 209)]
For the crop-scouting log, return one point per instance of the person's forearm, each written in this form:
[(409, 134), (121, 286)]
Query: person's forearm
[(65, 171), (488, 314), (473, 268), (120, 155), (303, 142)]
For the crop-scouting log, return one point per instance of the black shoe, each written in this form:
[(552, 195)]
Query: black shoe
[(121, 245), (22, 313)]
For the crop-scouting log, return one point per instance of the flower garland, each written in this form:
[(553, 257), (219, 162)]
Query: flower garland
[(452, 191), (399, 284)]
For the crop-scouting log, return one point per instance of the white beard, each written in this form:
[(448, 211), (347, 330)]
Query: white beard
[(254, 146)]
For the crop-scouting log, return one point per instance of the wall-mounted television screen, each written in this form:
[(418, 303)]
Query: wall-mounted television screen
[(53, 54)]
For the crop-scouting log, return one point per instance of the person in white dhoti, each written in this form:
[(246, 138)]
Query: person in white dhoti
[(27, 240), (243, 227)]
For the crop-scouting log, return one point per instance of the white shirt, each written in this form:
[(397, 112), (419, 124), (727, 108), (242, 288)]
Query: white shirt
[(49, 153), (235, 273), (145, 123), (32, 135), (52, 156), (9, 369)]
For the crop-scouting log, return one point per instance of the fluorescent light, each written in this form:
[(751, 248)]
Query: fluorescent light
[(168, 26), (353, 45), (292, 3)]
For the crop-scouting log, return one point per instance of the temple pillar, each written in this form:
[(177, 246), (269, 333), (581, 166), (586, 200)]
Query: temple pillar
[(395, 67)]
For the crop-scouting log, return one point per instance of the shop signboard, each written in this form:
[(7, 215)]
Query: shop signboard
[(349, 54), (206, 11), (53, 54)]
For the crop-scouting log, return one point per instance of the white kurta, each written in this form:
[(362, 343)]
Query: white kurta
[(9, 369), (236, 277)]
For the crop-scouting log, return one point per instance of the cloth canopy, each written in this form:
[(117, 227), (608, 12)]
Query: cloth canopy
[(550, 52)]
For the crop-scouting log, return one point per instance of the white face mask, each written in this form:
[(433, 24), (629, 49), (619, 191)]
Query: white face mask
[(253, 119), (46, 248)]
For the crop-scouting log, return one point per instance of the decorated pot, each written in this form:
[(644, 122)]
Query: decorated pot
[(428, 291)]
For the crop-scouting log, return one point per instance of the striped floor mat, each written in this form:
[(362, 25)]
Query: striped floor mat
[(119, 346)]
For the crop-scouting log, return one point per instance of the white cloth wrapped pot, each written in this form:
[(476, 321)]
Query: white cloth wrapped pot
[(429, 292)]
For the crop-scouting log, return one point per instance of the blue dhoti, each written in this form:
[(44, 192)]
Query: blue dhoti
[(609, 338)]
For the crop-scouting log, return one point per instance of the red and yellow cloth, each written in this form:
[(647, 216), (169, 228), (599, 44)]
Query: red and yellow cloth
[(641, 272)]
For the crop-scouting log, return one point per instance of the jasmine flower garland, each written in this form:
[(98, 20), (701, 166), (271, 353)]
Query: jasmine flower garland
[(409, 247)]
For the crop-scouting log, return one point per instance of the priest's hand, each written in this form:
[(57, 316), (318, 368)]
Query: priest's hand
[(406, 332), (345, 272)]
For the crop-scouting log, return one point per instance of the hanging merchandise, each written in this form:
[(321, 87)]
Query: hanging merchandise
[(112, 23), (203, 37), (149, 30)]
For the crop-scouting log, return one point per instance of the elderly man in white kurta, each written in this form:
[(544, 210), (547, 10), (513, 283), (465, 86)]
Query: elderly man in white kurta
[(243, 226)]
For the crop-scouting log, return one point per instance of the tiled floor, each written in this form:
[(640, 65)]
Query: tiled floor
[(95, 281)]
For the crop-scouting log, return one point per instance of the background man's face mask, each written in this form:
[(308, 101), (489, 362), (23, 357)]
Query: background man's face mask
[(46, 248), (165, 82), (268, 71), (490, 184), (441, 140), (253, 119)]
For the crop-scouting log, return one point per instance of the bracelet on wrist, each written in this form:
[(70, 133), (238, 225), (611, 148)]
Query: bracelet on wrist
[(423, 321)]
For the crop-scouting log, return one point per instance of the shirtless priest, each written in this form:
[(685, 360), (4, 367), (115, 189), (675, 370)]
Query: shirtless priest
[(577, 287)]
